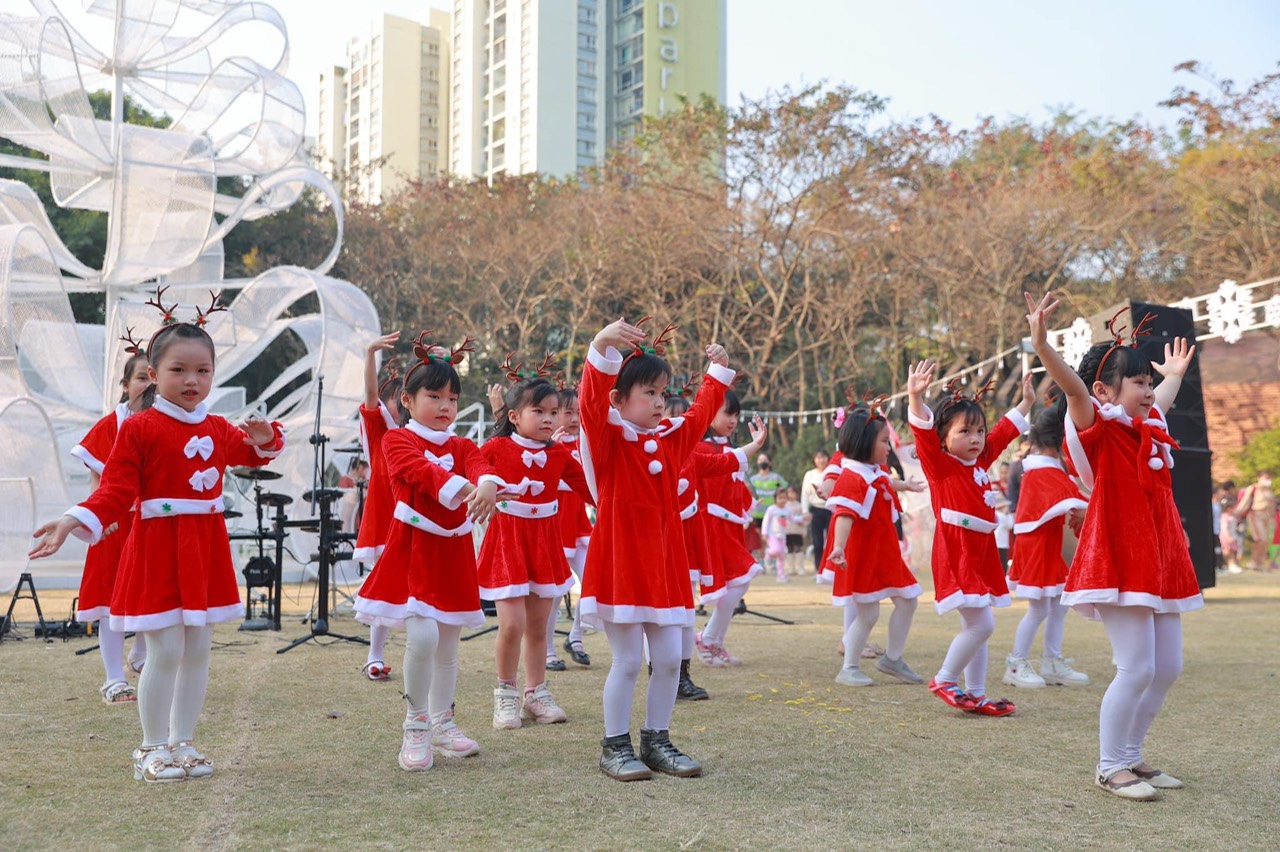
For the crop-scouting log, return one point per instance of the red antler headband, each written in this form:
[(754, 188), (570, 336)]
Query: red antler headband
[(515, 374), (659, 346), (952, 389), (870, 400), (685, 390), (424, 349), (169, 320), (1141, 330), (135, 347), (393, 373)]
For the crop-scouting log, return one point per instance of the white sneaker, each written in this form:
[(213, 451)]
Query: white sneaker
[(1059, 672), (1018, 672), (1233, 568), (541, 707), (448, 740), (506, 707), (853, 676), (415, 749)]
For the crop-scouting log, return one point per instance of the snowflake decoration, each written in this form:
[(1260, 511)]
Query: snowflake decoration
[(1271, 309), (1230, 311), (1076, 341)]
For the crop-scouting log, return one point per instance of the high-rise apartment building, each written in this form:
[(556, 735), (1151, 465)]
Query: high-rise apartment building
[(331, 136), (397, 105)]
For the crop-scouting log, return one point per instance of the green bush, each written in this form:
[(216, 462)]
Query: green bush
[(1262, 452)]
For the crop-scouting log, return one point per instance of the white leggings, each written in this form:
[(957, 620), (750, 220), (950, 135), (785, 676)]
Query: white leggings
[(865, 617), (377, 643), (1053, 614), (576, 563), (173, 684), (1146, 648), (111, 646), (625, 641), (717, 626), (430, 666), (968, 651)]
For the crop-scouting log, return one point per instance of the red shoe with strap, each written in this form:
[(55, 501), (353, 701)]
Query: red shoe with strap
[(377, 670), (953, 695), (987, 707)]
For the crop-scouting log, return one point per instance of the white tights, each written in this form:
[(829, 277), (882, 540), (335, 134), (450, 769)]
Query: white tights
[(430, 666), (576, 564), (173, 684), (378, 643), (865, 617), (625, 641), (718, 625), (1147, 650), (111, 646), (1053, 614), (968, 651)]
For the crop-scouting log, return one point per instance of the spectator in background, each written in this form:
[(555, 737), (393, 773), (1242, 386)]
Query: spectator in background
[(813, 503), (1227, 526), (1014, 484), (797, 520), (765, 483), (1257, 507)]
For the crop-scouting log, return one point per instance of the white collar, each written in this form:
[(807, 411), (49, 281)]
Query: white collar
[(179, 413), (122, 413), (568, 439), (527, 443), (630, 431), (436, 437), (1112, 411), (716, 439), (869, 472), (1039, 461)]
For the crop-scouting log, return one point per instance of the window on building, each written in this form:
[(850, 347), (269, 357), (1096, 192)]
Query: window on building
[(587, 120), (586, 41), (586, 94), (587, 14)]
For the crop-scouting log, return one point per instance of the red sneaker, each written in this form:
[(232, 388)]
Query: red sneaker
[(953, 695), (985, 707)]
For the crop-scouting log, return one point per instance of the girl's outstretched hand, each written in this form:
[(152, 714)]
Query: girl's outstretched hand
[(1038, 316), (1177, 358), (558, 435), (716, 354), (914, 485), (920, 377), (481, 502), (621, 335), (1028, 394), (759, 431), (383, 343), (52, 535), (257, 432), (497, 397)]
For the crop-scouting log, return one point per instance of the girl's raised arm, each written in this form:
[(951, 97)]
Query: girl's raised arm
[(1079, 403)]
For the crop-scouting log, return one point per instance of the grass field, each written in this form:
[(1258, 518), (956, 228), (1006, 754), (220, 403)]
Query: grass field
[(306, 750)]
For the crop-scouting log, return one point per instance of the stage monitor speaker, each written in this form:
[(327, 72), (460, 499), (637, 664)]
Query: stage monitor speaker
[(1187, 422), (1193, 494)]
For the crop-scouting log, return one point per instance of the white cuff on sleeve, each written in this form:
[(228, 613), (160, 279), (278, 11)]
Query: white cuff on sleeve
[(721, 374), (92, 531), (498, 481), (88, 458), (608, 362), (448, 495), (920, 422), (742, 460), (1016, 417)]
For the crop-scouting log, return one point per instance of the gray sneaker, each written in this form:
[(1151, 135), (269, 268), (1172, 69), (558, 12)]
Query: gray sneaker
[(898, 668), (853, 676)]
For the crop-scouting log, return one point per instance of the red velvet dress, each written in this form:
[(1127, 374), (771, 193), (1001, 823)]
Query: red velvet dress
[(375, 521), (637, 564), (522, 553), (102, 561), (1047, 497), (428, 568), (1132, 550), (700, 466), (874, 569), (176, 567), (575, 526), (966, 563), (726, 506)]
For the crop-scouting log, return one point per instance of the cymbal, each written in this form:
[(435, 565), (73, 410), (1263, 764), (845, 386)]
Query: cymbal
[(322, 495), (349, 450), (261, 474), (232, 513), (271, 498)]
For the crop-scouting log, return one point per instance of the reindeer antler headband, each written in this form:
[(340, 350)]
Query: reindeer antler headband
[(871, 400), (515, 374), (392, 368), (424, 350), (659, 345), (135, 347), (169, 320), (957, 395), (685, 390), (1142, 329)]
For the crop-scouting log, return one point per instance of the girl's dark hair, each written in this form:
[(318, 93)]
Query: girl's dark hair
[(148, 395), (432, 375), (950, 409), (568, 395), (677, 405), (1048, 430), (643, 369), (391, 399), (522, 394), (167, 336), (1124, 362), (731, 404), (859, 434)]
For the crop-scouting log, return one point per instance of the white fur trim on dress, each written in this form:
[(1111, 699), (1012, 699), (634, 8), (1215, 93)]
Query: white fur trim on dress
[(88, 458), (92, 531), (689, 511), (595, 614), (966, 521), (715, 510), (406, 514), (1034, 593), (754, 571), (1057, 510), (959, 599), (168, 507), (920, 422), (368, 554), (1086, 601), (862, 510), (608, 362), (381, 613), (721, 374), (501, 593), (909, 592), (97, 613), (173, 617)]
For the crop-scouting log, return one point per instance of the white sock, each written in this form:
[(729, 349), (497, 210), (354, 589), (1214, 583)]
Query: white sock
[(111, 646)]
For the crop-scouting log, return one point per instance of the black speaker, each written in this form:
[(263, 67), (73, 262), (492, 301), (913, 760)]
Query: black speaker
[(1193, 494), (1187, 422)]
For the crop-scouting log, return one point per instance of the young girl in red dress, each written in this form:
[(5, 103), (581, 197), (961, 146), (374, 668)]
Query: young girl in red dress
[(425, 579), (1047, 502), (636, 585), (726, 504), (376, 419), (693, 515), (955, 450), (522, 567), (1132, 568), (575, 533), (103, 559), (176, 577), (864, 552)]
